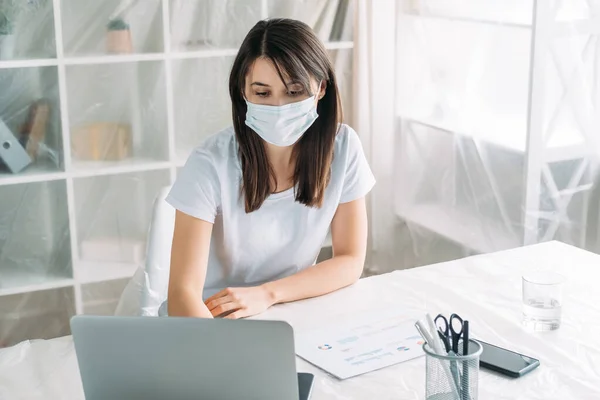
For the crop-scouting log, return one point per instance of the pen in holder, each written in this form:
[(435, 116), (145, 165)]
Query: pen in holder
[(447, 373)]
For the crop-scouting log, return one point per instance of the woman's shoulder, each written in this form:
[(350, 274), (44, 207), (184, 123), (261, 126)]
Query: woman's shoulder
[(217, 148), (218, 144), (347, 141)]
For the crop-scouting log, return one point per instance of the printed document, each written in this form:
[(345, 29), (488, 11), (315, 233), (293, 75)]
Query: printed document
[(369, 343)]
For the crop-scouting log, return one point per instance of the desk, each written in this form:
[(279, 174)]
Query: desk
[(485, 289)]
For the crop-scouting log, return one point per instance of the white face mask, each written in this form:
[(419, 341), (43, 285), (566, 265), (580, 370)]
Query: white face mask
[(282, 125)]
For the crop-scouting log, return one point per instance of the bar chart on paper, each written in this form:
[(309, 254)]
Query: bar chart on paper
[(368, 343)]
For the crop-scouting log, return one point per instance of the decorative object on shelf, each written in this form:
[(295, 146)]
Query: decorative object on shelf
[(122, 250), (12, 154), (8, 14), (413, 7), (118, 37), (33, 131), (101, 141)]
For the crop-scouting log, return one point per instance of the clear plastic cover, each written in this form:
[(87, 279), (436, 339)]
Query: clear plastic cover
[(111, 27), (496, 145), (100, 103), (200, 81), (218, 24), (27, 29)]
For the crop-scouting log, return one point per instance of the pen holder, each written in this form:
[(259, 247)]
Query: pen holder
[(452, 377)]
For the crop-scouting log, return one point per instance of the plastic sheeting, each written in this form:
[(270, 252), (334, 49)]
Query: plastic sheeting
[(497, 115), (485, 289), (107, 99)]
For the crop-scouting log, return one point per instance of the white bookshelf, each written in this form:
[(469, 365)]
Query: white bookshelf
[(494, 149), (159, 91)]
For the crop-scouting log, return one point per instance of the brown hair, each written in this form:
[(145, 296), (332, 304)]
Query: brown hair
[(295, 51)]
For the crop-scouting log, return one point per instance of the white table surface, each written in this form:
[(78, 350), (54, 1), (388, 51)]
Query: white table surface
[(485, 289)]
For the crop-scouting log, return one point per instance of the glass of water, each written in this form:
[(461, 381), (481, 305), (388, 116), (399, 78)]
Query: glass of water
[(542, 300)]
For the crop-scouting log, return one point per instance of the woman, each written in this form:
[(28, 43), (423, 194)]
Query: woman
[(255, 201)]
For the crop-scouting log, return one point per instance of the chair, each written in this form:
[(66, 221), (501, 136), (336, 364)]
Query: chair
[(147, 289)]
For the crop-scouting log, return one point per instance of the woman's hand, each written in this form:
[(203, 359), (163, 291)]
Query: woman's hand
[(239, 302)]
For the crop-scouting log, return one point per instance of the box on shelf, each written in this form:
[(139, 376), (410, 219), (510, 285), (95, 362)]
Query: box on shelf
[(124, 250), (101, 141)]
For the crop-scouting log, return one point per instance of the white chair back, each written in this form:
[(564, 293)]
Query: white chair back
[(147, 289)]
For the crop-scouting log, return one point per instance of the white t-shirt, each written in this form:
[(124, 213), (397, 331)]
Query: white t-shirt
[(283, 236)]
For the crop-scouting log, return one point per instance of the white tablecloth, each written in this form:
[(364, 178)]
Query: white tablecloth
[(485, 289)]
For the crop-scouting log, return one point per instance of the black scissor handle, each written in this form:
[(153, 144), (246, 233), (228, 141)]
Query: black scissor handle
[(454, 332), (456, 317), (444, 328)]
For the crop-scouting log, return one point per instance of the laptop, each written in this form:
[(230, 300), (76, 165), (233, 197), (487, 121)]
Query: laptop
[(154, 358)]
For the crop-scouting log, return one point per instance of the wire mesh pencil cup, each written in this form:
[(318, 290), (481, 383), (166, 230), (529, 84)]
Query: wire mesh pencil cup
[(452, 377)]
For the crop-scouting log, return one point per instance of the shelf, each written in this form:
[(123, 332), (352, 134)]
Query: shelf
[(13, 283), (141, 57), (48, 62), (216, 52), (55, 219), (112, 217), (83, 169), (35, 248), (461, 227), (204, 53), (28, 95), (91, 271), (114, 59), (85, 31), (30, 175), (123, 105), (36, 315), (511, 139)]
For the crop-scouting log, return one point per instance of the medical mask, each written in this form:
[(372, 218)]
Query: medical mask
[(282, 125)]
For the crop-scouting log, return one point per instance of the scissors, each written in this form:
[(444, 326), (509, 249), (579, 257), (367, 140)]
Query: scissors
[(450, 331)]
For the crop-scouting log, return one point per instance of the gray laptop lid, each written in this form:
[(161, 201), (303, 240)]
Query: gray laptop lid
[(184, 358)]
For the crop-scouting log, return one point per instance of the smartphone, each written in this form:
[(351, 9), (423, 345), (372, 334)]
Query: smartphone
[(305, 385), (505, 361)]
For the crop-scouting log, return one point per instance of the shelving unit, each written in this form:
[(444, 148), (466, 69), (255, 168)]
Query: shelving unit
[(495, 113), (171, 92)]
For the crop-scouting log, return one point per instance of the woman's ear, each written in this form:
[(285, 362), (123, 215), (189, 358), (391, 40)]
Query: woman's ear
[(322, 89)]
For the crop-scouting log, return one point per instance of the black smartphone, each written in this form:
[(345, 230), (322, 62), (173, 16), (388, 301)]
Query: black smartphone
[(305, 385), (505, 361)]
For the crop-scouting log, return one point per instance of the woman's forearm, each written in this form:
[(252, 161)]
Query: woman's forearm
[(320, 279), (187, 303)]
